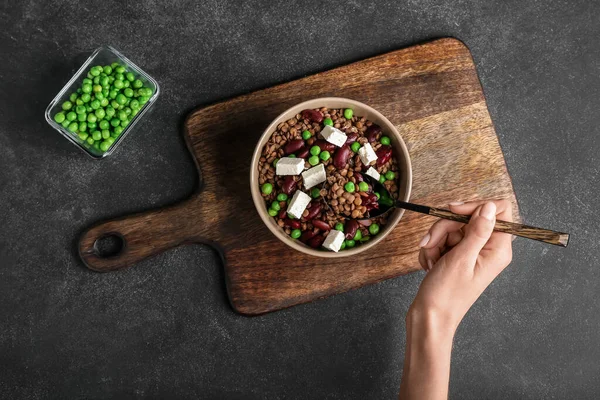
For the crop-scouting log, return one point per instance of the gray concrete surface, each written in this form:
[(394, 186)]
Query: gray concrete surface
[(164, 329)]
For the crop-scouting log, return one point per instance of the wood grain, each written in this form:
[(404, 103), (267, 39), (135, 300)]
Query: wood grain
[(431, 92)]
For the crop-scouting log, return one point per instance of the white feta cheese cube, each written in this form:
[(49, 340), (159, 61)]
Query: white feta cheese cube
[(334, 240), (372, 172), (289, 166), (334, 135), (366, 154), (298, 204), (314, 176)]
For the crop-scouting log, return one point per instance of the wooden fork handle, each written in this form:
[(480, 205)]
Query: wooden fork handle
[(526, 231)]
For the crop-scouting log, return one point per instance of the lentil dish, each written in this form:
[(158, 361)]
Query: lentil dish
[(311, 177)]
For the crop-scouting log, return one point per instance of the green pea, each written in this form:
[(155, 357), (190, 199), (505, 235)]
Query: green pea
[(315, 150), (390, 175), (65, 124), (59, 117), (122, 115), (350, 188), (363, 187), (272, 212), (134, 104), (96, 80), (381, 178), (82, 135), (291, 156), (267, 188), (115, 122), (143, 99), (82, 117), (275, 161), (148, 92), (314, 160), (82, 127), (110, 140), (328, 121), (296, 233), (73, 126), (115, 104), (127, 110), (104, 81), (104, 102), (96, 145), (365, 239), (378, 195), (97, 88), (91, 125), (86, 97), (105, 134), (99, 96), (104, 145), (95, 104), (128, 92), (137, 84), (130, 77), (306, 135), (339, 227), (110, 112), (282, 197), (104, 124), (121, 99), (315, 193), (348, 113), (97, 135), (114, 65), (343, 246), (358, 235), (355, 146), (73, 97), (118, 130), (71, 116), (100, 113), (275, 206), (80, 110), (120, 69), (118, 84), (113, 94), (325, 155), (114, 134), (67, 105), (90, 140), (374, 229), (105, 92), (87, 88), (92, 118), (126, 84), (79, 102), (86, 81), (94, 71), (88, 108), (107, 69), (385, 140), (350, 243), (90, 76)]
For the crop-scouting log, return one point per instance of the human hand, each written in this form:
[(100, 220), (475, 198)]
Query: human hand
[(461, 261)]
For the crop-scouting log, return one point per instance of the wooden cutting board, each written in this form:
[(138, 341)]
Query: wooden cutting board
[(431, 92)]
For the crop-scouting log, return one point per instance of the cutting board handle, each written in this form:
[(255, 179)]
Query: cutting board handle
[(141, 236)]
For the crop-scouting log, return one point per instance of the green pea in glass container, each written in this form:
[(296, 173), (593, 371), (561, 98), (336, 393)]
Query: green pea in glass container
[(92, 107)]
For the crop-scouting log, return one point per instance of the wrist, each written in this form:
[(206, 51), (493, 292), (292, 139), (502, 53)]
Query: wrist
[(426, 323)]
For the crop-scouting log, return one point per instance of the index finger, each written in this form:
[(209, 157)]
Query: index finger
[(498, 240)]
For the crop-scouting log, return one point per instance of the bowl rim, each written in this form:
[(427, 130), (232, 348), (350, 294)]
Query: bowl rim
[(268, 220)]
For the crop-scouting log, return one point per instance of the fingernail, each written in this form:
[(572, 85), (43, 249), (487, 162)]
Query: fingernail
[(456, 203), (488, 211), (429, 264), (425, 240)]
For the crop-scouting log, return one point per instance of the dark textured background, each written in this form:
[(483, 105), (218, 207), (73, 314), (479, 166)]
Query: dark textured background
[(164, 329)]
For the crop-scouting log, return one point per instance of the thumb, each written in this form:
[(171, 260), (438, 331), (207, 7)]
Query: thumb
[(478, 230)]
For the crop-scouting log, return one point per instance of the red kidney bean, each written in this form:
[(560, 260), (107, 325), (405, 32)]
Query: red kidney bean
[(282, 214), (324, 226), (316, 241), (324, 145), (351, 138), (293, 146), (314, 116), (313, 210), (384, 153), (292, 223), (306, 236), (340, 158), (302, 153), (372, 132), (350, 229), (289, 184), (358, 176)]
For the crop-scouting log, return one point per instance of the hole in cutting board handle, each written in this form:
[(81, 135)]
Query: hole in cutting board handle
[(109, 245)]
